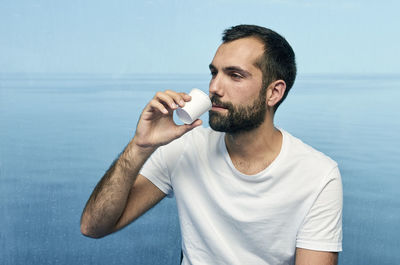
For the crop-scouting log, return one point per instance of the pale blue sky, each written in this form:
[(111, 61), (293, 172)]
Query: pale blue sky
[(177, 36)]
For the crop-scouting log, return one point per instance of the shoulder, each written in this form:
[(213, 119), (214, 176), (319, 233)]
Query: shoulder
[(307, 156)]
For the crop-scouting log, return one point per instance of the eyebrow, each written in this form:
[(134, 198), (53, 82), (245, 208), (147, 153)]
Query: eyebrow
[(232, 69)]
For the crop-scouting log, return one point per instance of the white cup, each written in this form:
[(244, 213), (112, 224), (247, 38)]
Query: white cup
[(199, 104)]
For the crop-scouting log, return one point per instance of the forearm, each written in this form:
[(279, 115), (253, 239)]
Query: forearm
[(108, 200)]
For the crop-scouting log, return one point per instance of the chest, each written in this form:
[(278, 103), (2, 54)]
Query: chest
[(250, 167), (242, 199)]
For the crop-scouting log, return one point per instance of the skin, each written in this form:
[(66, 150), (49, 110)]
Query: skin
[(123, 195), (250, 151)]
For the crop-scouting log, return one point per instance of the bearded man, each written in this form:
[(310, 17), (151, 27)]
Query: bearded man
[(246, 191)]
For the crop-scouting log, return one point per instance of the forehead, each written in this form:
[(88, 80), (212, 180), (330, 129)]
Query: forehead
[(242, 52)]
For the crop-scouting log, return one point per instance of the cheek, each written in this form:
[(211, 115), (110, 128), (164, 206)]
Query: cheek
[(246, 92)]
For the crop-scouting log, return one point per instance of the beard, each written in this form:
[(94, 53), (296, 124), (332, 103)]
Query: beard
[(239, 118)]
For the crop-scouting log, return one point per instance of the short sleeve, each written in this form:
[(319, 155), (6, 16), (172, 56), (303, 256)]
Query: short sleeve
[(159, 167), (322, 226), (155, 170)]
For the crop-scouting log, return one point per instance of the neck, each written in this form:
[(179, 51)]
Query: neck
[(259, 145)]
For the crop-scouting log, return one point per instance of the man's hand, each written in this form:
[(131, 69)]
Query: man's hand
[(156, 126)]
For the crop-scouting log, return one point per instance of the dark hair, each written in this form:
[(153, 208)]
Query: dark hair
[(278, 60)]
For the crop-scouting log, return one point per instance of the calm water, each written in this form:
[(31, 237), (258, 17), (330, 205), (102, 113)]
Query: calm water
[(58, 135)]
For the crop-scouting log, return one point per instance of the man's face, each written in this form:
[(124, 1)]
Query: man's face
[(236, 88)]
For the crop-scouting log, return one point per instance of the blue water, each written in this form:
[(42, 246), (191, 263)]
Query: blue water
[(59, 133)]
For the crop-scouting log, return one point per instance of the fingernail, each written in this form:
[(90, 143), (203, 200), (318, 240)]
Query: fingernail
[(181, 102)]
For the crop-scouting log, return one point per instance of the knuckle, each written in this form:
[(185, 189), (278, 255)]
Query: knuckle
[(154, 102), (171, 93)]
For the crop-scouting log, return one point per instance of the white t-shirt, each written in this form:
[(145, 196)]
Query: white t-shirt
[(227, 217)]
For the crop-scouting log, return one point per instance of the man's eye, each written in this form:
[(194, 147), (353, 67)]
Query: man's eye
[(236, 76), (213, 73)]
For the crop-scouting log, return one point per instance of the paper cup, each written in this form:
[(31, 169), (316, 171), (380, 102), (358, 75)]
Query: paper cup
[(199, 104)]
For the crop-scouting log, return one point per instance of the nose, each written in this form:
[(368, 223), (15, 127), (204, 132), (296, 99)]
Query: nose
[(215, 87)]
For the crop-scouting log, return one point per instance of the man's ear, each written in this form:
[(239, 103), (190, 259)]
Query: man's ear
[(275, 92)]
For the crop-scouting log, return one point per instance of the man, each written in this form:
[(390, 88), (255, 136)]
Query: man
[(246, 192)]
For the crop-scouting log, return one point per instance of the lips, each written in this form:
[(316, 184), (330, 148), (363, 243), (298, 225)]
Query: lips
[(218, 106)]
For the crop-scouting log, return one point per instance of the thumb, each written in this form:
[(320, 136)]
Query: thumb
[(182, 129)]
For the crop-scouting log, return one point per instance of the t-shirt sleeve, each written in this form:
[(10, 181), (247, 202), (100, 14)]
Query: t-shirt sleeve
[(159, 167), (156, 170), (322, 226)]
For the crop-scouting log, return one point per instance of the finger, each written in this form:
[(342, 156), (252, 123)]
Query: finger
[(186, 97), (166, 99), (182, 129), (179, 98), (196, 123), (155, 104)]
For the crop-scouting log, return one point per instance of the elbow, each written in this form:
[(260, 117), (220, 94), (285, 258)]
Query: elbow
[(86, 231), (89, 231)]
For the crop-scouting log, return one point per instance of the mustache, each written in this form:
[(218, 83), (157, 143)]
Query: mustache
[(216, 101)]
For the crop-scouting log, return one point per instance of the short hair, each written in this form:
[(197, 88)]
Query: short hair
[(278, 60)]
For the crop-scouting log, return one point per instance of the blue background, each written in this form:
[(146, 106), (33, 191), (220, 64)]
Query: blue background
[(74, 76)]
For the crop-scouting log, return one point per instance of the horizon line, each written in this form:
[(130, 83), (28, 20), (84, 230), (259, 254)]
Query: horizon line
[(183, 74)]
